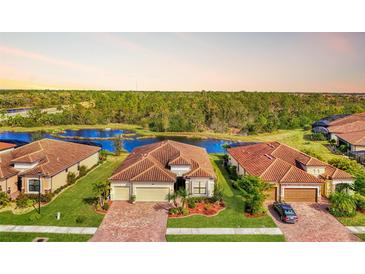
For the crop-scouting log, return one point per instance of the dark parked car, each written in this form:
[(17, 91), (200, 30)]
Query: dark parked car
[(286, 212)]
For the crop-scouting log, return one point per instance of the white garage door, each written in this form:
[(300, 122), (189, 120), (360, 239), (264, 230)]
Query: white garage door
[(152, 194), (121, 193)]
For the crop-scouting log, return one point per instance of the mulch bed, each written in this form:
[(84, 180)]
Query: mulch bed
[(202, 208)]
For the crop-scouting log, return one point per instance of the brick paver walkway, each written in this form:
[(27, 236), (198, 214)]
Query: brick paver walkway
[(315, 224), (141, 222)]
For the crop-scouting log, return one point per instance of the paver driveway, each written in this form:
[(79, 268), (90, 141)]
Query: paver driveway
[(141, 222), (315, 224)]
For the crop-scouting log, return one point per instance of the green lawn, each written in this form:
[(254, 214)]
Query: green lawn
[(225, 238), (361, 236), (52, 237), (70, 203), (357, 220), (232, 216)]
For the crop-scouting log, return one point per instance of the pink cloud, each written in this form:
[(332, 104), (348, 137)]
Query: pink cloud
[(338, 42), (43, 58)]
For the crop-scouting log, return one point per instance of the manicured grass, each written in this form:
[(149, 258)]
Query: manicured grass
[(52, 237), (70, 203), (361, 236), (225, 238), (232, 216), (357, 220)]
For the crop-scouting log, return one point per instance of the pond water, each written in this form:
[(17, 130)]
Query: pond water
[(19, 138)]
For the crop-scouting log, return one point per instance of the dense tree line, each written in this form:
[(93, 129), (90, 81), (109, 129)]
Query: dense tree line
[(250, 112)]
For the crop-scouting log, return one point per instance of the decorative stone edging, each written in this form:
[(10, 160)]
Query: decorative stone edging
[(356, 229)]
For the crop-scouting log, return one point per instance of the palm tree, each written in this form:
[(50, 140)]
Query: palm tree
[(172, 197), (101, 190), (184, 195)]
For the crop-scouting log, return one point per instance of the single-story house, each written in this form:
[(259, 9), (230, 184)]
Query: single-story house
[(355, 141), (48, 160), (153, 171), (294, 175)]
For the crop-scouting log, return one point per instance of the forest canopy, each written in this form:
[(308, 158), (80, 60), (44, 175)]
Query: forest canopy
[(248, 112)]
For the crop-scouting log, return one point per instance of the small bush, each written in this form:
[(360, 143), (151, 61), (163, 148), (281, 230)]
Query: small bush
[(360, 201), (105, 206), (217, 195), (174, 210), (23, 201), (191, 203), (208, 206), (82, 171), (45, 198), (185, 211), (80, 219), (307, 127), (318, 136), (342, 204), (4, 199), (71, 178)]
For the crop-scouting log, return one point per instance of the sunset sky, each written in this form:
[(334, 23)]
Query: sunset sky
[(296, 62)]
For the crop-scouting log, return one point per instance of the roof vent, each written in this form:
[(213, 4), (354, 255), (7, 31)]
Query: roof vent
[(268, 156), (271, 145)]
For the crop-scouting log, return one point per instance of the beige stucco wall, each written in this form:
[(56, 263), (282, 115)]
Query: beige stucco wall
[(11, 183), (91, 161), (357, 148)]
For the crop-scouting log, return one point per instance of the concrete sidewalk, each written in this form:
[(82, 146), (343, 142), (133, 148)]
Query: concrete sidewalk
[(223, 231), (48, 229), (356, 229)]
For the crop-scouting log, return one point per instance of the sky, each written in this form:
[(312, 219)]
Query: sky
[(284, 62)]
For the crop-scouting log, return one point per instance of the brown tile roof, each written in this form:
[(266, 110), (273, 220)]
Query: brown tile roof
[(354, 138), (5, 146), (150, 163), (54, 156), (348, 119), (276, 162), (348, 127)]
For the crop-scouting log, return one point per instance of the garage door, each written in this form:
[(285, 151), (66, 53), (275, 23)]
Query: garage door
[(152, 194), (300, 195), (271, 194), (120, 193)]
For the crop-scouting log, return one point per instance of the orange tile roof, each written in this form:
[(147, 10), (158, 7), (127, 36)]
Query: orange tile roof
[(358, 125), (276, 162), (5, 146), (150, 163), (354, 138), (53, 156)]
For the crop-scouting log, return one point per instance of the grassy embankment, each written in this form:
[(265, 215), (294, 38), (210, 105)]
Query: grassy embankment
[(52, 237)]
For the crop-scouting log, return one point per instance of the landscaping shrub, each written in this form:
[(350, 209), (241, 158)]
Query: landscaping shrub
[(174, 210), (185, 211), (191, 203), (45, 198), (253, 189), (80, 219), (217, 195), (342, 204), (71, 178), (82, 171), (360, 201), (355, 169), (23, 201), (105, 206), (307, 127), (318, 137), (232, 171), (4, 200)]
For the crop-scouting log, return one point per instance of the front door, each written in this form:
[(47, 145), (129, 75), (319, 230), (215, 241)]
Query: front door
[(180, 183)]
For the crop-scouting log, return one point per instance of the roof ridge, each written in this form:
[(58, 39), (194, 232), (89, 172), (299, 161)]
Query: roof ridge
[(269, 165), (139, 174), (286, 173)]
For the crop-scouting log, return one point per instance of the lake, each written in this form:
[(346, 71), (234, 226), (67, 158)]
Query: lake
[(19, 138)]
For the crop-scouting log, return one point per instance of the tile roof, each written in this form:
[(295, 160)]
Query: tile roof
[(150, 163), (53, 156), (276, 162), (5, 146), (354, 138), (354, 126)]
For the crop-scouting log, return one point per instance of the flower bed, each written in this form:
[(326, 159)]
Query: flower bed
[(201, 208)]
